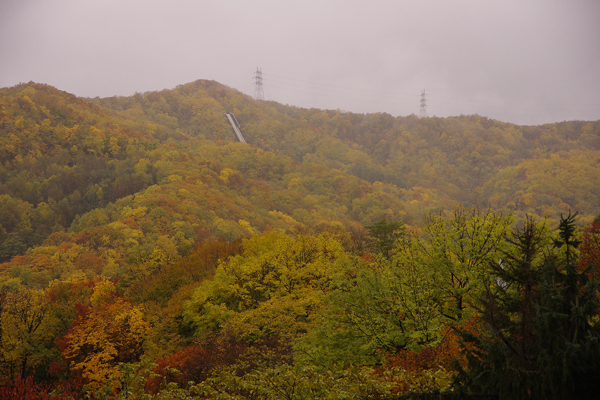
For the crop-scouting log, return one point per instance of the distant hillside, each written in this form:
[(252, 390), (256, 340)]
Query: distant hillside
[(465, 159), (139, 180)]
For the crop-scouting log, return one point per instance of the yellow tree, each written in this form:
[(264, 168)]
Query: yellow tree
[(109, 332), (274, 287)]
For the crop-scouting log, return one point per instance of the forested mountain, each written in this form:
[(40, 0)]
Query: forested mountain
[(129, 213), (468, 159)]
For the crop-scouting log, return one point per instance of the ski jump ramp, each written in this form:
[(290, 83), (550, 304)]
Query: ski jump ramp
[(236, 127)]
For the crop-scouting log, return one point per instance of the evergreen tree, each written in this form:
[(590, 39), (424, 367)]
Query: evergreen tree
[(383, 236), (541, 341)]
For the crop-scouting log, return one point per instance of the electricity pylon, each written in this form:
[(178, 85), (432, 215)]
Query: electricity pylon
[(423, 110), (259, 94)]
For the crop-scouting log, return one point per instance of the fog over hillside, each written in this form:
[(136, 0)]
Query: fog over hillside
[(527, 63)]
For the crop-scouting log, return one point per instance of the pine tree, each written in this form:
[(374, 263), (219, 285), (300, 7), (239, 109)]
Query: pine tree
[(541, 340)]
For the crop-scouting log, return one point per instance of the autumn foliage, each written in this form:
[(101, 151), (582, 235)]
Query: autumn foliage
[(27, 389), (331, 254), (108, 332), (195, 363), (590, 249)]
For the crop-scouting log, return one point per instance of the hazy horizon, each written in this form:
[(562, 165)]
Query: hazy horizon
[(524, 62)]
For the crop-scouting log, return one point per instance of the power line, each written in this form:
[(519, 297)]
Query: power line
[(312, 85), (359, 95)]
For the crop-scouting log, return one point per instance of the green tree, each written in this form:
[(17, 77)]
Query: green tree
[(459, 249), (361, 319), (542, 339), (383, 236), (25, 331), (405, 302)]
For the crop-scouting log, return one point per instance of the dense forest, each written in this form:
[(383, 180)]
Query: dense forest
[(146, 253)]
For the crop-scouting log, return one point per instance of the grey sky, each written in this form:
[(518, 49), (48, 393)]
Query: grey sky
[(521, 61)]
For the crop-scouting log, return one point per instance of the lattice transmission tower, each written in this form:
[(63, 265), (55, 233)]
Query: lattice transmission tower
[(259, 94), (423, 110)]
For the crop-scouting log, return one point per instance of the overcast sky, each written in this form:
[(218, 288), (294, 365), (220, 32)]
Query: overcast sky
[(523, 61)]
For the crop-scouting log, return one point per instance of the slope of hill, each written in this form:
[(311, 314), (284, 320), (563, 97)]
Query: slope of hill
[(457, 159), (70, 165), (114, 206)]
